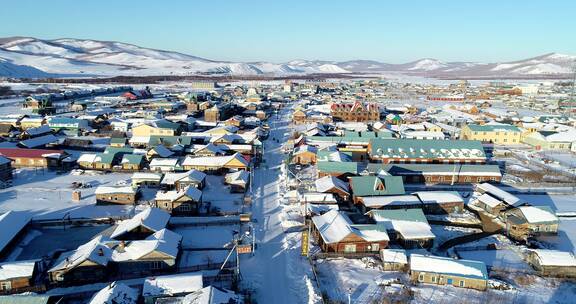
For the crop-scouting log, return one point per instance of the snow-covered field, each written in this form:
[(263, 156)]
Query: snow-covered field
[(206, 237), (204, 257), (219, 196), (48, 195), (445, 233)]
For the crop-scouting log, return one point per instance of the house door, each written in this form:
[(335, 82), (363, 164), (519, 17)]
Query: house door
[(350, 248), (449, 281)]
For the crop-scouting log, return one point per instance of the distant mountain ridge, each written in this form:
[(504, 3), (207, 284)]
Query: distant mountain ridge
[(68, 57)]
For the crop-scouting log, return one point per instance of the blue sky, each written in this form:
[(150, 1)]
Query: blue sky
[(388, 31)]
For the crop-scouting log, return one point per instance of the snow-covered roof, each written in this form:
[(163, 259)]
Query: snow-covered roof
[(11, 223), (212, 295), (38, 130), (191, 192), (164, 162), (19, 269), (439, 197), (328, 182), (555, 258), (536, 215), (315, 198), (172, 284), (435, 264), (410, 223), (39, 141), (154, 219), (489, 200), (163, 241), (114, 190), (237, 178), (216, 161), (94, 251), (411, 230), (334, 226), (162, 151), (147, 176), (499, 193), (394, 256), (193, 175), (392, 200), (116, 293)]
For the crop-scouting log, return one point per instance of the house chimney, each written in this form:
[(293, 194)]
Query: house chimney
[(76, 195)]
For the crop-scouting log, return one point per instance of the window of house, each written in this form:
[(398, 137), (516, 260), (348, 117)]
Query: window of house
[(421, 277), (156, 264), (5, 285), (461, 284), (350, 248), (433, 279), (375, 247)]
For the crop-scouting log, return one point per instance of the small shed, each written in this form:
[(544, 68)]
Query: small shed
[(394, 259)]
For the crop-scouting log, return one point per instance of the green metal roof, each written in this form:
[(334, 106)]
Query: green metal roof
[(134, 159), (24, 299), (352, 137), (170, 140), (395, 169), (117, 140), (106, 158), (166, 124), (337, 167), (367, 185), (423, 148), (365, 134), (115, 150), (338, 139), (412, 214), (493, 128)]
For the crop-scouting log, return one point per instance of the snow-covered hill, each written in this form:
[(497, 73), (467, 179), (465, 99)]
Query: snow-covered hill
[(32, 57)]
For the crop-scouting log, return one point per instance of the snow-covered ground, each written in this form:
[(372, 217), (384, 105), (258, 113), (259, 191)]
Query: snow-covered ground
[(277, 273), (340, 277), (219, 196), (206, 237), (48, 195)]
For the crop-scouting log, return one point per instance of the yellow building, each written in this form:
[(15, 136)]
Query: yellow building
[(498, 133), (150, 130), (35, 122)]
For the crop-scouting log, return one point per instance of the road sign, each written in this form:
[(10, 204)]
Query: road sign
[(242, 249), (305, 243)]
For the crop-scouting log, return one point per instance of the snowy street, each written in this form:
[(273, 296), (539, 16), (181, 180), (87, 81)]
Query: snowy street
[(277, 273)]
